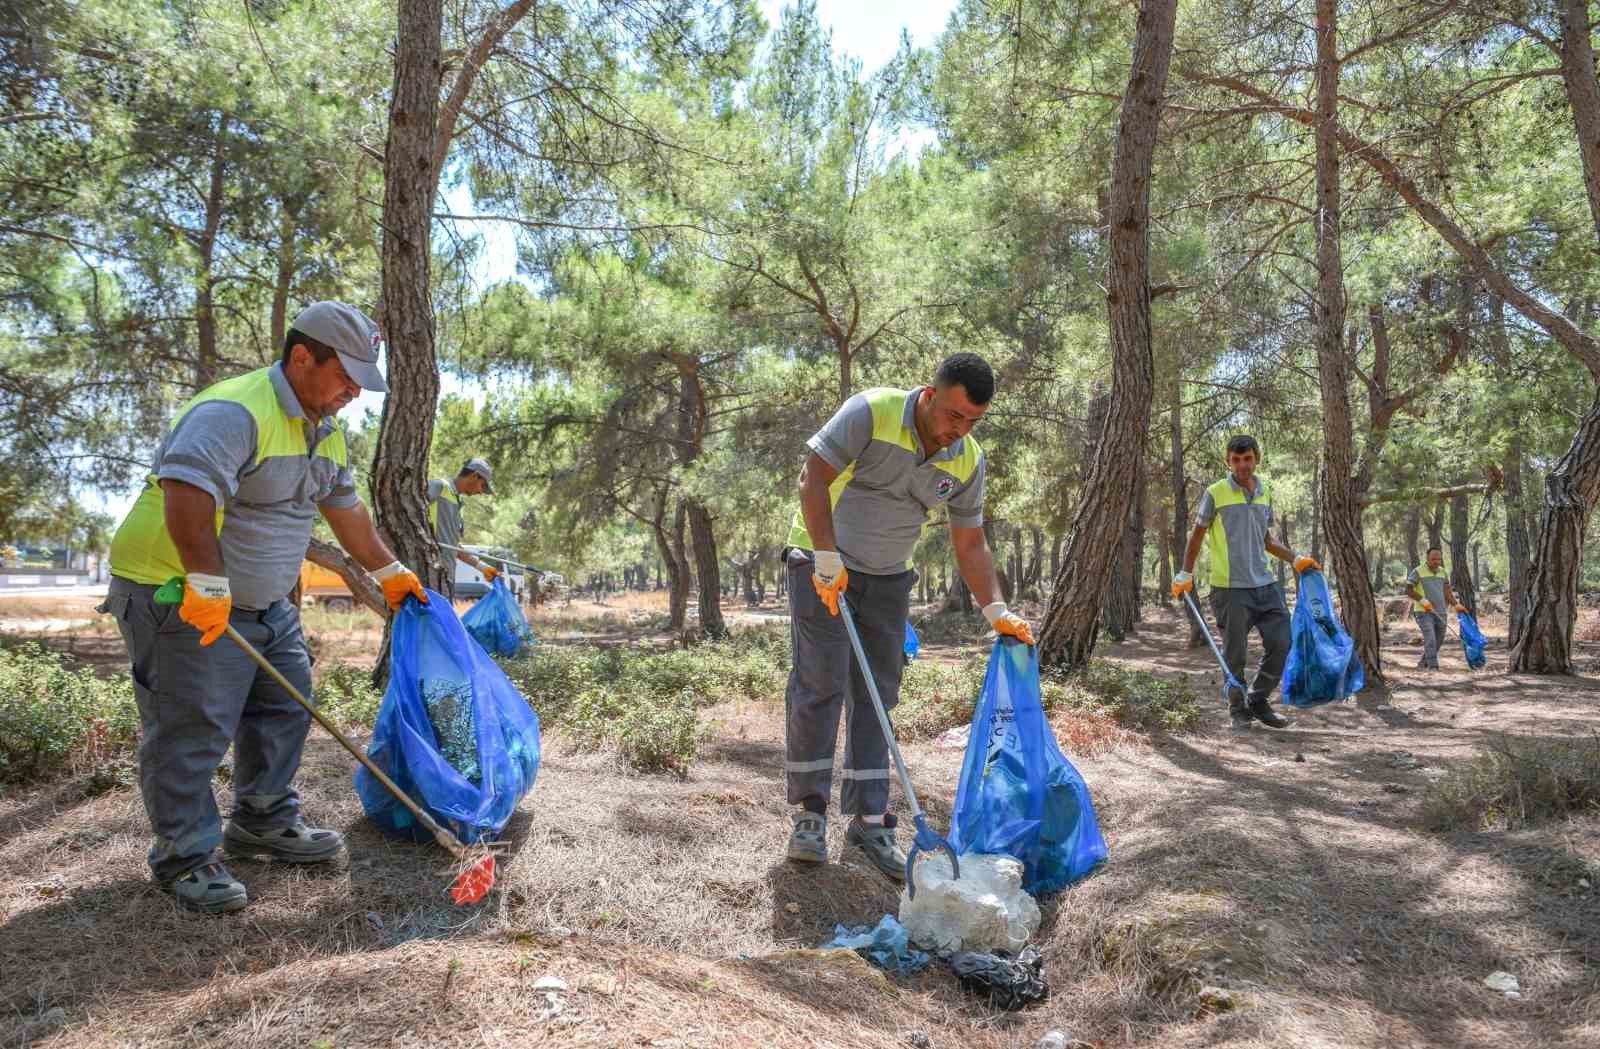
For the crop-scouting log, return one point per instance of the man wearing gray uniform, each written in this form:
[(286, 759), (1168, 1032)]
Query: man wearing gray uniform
[(877, 474), (229, 505), (444, 513), (1429, 585)]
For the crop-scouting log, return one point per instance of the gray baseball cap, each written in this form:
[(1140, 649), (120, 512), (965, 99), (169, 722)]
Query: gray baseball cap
[(351, 334), (482, 469)]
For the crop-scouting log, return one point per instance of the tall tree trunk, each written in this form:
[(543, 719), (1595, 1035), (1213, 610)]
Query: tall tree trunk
[(1436, 519), (288, 262), (670, 545), (1035, 562), (1518, 545), (707, 570), (1164, 572), (1286, 529), (1461, 580), (1316, 515), (1341, 507), (1072, 621), (1583, 96), (205, 317), (1181, 523), (1413, 534)]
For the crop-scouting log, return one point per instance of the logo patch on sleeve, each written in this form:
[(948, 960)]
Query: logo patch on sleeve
[(944, 486)]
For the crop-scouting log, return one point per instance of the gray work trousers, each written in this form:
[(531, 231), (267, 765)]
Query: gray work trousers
[(193, 702), (825, 679), (1432, 626), (1242, 609)]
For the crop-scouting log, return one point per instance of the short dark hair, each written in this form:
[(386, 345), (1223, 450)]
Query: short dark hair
[(1241, 443), (1431, 549), (321, 352), (969, 371)]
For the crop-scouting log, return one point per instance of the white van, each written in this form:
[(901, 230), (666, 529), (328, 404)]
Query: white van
[(470, 584)]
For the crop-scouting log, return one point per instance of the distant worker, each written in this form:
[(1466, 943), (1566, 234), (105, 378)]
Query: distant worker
[(1429, 586), (876, 473), (229, 504), (444, 513), (1235, 515)]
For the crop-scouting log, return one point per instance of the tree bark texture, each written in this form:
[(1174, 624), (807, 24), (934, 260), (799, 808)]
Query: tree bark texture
[(205, 318), (405, 434), (1460, 555), (1181, 523), (707, 571), (1072, 621), (1583, 96), (1341, 508), (1413, 532), (329, 556)]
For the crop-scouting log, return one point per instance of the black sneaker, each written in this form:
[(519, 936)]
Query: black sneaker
[(1263, 712)]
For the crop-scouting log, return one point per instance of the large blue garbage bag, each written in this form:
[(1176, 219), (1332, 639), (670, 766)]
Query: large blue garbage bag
[(1472, 641), (452, 731), (913, 646), (1323, 665), (1019, 795), (496, 621)]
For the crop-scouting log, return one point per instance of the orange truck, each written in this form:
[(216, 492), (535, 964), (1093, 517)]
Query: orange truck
[(325, 587)]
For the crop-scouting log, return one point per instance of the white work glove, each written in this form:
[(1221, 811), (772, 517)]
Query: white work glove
[(398, 583), (1183, 581), (829, 578), (1007, 623)]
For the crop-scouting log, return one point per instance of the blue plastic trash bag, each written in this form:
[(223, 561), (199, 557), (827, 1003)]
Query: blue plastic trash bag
[(888, 946), (496, 621), (452, 731), (1323, 665), (913, 646), (1472, 640), (1019, 795)]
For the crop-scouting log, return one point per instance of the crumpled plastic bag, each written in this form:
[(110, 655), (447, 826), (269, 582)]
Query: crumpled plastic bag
[(885, 945), (452, 731), (496, 621), (1009, 983), (913, 646), (1323, 665), (986, 909), (1472, 641)]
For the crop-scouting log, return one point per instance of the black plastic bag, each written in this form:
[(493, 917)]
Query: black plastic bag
[(1009, 983)]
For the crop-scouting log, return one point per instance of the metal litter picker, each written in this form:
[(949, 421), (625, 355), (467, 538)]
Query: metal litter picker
[(926, 840), (476, 874), (1229, 681)]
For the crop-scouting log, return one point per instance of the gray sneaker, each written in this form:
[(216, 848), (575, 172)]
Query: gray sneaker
[(209, 889), (877, 841), (809, 842), (295, 844), (1239, 718)]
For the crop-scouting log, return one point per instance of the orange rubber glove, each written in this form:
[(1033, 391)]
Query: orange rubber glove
[(1461, 610), (398, 583), (489, 572), (1427, 606), (207, 601), (829, 577), (1008, 623), (1181, 583), (1303, 565)]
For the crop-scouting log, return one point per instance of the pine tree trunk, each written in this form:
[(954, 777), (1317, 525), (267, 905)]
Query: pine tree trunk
[(1284, 529), (1341, 507), (1551, 602), (1316, 516), (1461, 580), (707, 570), (1518, 546), (1413, 531), (1072, 621), (1164, 570), (1436, 520)]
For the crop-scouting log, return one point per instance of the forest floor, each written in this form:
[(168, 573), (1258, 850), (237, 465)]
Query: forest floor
[(1289, 869)]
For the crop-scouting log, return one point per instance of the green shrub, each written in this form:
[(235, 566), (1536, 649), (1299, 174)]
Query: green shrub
[(661, 733), (1135, 699), (1516, 781), (54, 718), (935, 697), (345, 693)]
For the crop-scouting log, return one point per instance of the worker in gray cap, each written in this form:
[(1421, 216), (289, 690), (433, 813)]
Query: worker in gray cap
[(475, 477), (229, 505)]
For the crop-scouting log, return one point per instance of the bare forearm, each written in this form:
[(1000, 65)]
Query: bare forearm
[(1191, 553), (816, 504), (975, 562), (1278, 550), (191, 517), (355, 531)]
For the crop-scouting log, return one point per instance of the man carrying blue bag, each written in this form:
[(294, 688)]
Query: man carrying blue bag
[(1234, 521), (1430, 590), (877, 474)]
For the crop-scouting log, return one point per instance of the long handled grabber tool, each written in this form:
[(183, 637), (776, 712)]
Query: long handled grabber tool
[(927, 840), (1228, 680), (475, 876), (501, 560)]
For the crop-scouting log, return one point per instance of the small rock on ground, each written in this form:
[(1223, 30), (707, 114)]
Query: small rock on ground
[(1503, 982), (1215, 1000), (550, 982)]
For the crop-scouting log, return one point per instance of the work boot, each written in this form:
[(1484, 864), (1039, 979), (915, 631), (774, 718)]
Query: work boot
[(294, 844), (1238, 714), (877, 841), (209, 889), (809, 842), (1263, 712)]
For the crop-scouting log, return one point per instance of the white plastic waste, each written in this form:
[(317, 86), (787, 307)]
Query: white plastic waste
[(985, 910)]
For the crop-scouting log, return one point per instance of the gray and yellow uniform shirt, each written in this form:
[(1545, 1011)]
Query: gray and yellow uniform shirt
[(1238, 524), (888, 490), (444, 512), (247, 443), (1432, 585)]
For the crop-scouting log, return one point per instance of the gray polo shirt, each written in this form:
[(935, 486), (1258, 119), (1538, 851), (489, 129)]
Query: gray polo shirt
[(1239, 552), (444, 511), (888, 489), (1432, 586), (270, 505)]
